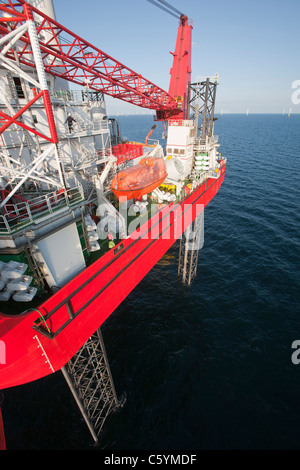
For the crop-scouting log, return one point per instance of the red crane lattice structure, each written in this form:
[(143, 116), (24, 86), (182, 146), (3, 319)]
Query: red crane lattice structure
[(67, 55)]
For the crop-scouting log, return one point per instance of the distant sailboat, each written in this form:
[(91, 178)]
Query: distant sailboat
[(247, 112), (290, 112)]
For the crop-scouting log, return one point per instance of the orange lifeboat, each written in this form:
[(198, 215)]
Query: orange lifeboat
[(139, 179)]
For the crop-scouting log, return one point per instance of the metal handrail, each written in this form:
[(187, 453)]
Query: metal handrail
[(24, 213), (79, 127), (78, 96)]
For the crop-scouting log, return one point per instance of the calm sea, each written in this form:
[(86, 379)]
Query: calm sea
[(207, 366)]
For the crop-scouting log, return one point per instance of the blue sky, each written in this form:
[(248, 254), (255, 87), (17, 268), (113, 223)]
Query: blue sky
[(252, 45)]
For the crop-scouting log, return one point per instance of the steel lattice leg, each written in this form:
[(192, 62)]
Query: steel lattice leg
[(191, 242), (89, 378)]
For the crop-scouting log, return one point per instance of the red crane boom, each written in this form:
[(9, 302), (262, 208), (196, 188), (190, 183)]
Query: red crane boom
[(181, 68), (67, 55)]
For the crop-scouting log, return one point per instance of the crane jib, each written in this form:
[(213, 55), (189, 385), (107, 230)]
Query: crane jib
[(67, 55)]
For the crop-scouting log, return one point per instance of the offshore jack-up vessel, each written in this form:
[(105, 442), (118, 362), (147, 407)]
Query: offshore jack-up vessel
[(85, 215)]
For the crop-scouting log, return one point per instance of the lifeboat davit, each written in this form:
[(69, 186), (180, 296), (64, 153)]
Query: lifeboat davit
[(139, 179)]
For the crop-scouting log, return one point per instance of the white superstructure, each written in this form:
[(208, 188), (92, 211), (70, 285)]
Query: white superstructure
[(50, 186)]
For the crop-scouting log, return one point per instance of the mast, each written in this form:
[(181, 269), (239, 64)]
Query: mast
[(181, 68)]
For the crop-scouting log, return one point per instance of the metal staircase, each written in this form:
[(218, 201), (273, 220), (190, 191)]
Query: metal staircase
[(87, 158)]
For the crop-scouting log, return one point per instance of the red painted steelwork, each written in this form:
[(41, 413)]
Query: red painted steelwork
[(67, 55), (181, 68), (10, 120), (50, 116), (74, 313)]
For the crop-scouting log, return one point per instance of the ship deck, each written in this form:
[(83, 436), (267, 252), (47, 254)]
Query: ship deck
[(43, 340), (11, 307), (133, 222)]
